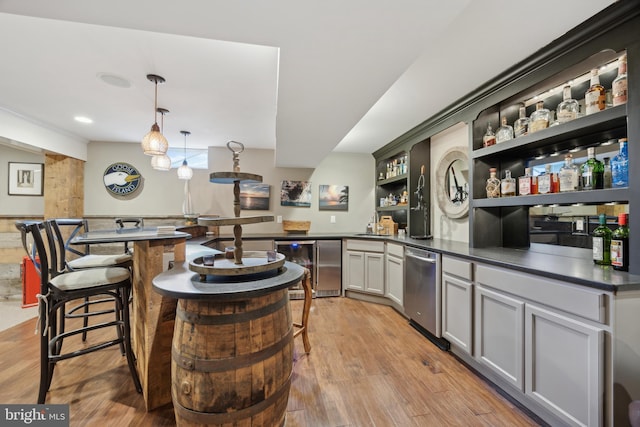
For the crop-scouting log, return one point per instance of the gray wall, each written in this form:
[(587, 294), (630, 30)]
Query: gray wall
[(18, 205), (163, 192)]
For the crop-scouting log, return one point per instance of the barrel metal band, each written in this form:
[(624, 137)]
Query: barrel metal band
[(230, 363), (227, 319), (235, 416)]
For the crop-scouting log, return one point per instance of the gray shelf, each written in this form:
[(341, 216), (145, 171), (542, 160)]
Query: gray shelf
[(586, 197)]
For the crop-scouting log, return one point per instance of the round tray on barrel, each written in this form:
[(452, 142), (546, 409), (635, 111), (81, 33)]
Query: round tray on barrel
[(252, 262)]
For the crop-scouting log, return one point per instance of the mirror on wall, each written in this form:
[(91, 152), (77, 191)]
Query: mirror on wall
[(452, 183)]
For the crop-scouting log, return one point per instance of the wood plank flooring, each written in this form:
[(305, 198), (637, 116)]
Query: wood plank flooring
[(367, 367)]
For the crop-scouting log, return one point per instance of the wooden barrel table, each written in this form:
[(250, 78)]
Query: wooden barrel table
[(232, 350)]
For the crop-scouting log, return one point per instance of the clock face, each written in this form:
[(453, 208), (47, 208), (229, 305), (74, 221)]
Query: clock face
[(121, 179)]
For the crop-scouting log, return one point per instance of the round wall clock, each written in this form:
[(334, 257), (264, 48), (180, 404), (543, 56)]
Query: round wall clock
[(122, 180)]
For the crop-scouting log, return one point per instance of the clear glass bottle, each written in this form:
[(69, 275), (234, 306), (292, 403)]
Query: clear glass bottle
[(540, 118), (508, 185), (601, 238), (606, 174), (620, 166), (595, 98), (619, 84), (521, 126), (489, 137), (544, 180), (504, 132), (524, 183), (620, 244), (493, 184), (592, 171), (568, 175), (569, 108)]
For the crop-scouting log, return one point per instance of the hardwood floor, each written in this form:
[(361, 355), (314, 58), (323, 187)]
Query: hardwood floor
[(367, 367)]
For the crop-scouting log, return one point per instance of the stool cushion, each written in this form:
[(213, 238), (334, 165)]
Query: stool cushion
[(93, 261), (90, 278)]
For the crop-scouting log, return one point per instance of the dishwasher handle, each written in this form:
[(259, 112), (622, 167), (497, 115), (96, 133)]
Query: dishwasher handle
[(429, 260)]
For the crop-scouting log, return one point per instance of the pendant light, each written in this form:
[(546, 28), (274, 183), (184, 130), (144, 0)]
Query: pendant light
[(184, 171), (161, 162), (154, 143)]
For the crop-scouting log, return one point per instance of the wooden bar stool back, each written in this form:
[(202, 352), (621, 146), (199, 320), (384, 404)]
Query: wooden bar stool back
[(303, 325)]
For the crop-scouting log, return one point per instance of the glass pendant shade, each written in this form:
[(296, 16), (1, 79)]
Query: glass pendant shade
[(184, 171), (161, 163)]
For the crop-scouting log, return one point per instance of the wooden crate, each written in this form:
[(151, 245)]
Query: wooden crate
[(296, 226)]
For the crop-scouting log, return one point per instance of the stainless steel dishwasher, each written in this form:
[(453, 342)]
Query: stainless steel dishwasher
[(422, 294)]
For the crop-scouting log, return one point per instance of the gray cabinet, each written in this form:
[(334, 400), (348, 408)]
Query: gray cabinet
[(457, 302), (564, 370), (499, 334), (364, 266), (394, 273)]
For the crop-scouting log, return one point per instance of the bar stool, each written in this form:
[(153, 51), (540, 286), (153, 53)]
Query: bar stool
[(130, 222), (303, 325), (57, 289)]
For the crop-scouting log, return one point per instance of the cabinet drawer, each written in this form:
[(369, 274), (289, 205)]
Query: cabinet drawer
[(581, 301), (395, 250), (457, 267), (365, 245)]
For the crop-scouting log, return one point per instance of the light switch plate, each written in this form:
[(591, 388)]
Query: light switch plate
[(279, 219), (332, 220)]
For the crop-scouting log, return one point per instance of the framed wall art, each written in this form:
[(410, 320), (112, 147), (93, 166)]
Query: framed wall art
[(295, 193), (334, 198), (254, 197), (26, 179)]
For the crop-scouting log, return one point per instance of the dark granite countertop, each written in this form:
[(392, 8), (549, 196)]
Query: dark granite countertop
[(572, 265)]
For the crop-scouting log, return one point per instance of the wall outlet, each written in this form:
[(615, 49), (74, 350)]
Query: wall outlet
[(332, 220), (580, 225), (279, 219)]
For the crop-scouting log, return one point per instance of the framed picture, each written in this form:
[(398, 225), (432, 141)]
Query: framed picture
[(254, 197), (295, 193), (334, 198), (26, 179)]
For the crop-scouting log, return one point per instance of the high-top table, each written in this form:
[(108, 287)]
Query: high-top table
[(153, 313)]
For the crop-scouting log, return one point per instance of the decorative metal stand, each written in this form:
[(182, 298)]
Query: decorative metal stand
[(259, 260)]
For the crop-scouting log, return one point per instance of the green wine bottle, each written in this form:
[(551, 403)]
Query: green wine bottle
[(601, 237), (620, 245)]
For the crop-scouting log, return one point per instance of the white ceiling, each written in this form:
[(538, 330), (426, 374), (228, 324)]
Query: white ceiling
[(301, 77)]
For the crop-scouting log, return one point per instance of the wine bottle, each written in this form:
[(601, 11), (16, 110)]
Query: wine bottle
[(601, 238), (620, 245)]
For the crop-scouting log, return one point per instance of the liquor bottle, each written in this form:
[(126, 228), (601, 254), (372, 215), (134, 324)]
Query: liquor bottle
[(620, 244), (493, 184), (619, 84), (544, 180), (568, 109), (524, 183), (620, 166), (508, 185), (606, 175), (601, 238), (555, 182), (521, 126), (489, 137), (504, 132), (540, 118), (534, 184), (592, 171), (568, 175), (594, 98)]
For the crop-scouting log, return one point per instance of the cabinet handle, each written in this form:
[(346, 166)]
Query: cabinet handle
[(429, 260)]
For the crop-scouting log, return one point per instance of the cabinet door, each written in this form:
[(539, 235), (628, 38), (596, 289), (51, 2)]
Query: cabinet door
[(457, 297), (499, 326), (374, 273), (395, 279), (354, 270), (564, 369)]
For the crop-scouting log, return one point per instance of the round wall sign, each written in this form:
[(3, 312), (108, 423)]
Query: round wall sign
[(122, 179)]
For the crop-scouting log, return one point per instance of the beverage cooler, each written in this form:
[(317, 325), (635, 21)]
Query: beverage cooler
[(323, 258)]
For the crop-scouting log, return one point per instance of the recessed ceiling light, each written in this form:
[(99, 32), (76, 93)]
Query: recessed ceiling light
[(82, 119), (114, 80)]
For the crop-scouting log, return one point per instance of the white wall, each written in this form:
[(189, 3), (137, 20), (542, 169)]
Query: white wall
[(162, 193), (443, 227), (18, 205)]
